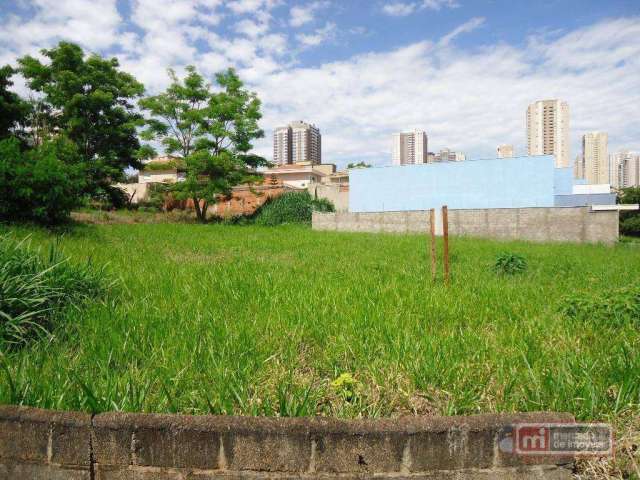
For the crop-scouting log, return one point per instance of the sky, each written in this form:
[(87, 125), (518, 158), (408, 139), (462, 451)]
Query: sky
[(462, 70)]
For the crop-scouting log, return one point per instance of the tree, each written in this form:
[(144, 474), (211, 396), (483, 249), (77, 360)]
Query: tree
[(90, 102), (359, 165), (41, 184), (630, 221), (12, 108), (177, 113), (212, 131)]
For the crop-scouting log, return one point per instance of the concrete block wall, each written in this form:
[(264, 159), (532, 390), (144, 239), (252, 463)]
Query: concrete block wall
[(336, 194), (41, 444), (547, 224)]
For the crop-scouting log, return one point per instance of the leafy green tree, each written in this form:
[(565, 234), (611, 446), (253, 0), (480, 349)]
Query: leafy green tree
[(359, 165), (630, 221), (177, 113), (211, 131), (13, 109), (629, 195), (91, 102), (41, 184)]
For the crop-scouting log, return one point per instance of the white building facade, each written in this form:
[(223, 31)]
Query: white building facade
[(409, 148), (548, 130), (624, 169), (298, 142), (593, 164)]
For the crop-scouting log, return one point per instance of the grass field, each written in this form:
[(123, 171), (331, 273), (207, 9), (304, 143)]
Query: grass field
[(288, 321)]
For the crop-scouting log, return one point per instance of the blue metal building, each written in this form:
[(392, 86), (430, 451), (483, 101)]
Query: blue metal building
[(517, 182)]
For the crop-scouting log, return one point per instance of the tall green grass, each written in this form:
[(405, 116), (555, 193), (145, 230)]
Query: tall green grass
[(36, 287), (267, 321)]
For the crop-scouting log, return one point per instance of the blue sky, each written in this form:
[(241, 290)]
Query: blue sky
[(463, 70)]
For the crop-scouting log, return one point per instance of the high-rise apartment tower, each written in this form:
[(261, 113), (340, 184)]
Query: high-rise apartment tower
[(548, 130), (298, 142), (409, 148), (594, 162), (624, 169)]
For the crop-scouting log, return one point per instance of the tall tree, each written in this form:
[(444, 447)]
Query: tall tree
[(177, 113), (629, 220), (40, 184), (212, 131), (91, 102), (12, 108)]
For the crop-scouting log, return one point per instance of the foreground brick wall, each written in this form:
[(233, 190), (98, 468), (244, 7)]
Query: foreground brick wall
[(41, 444), (560, 224)]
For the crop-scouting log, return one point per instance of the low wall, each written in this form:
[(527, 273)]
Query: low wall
[(42, 444), (562, 224)]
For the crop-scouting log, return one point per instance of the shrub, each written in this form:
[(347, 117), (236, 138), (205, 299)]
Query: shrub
[(35, 289), (109, 197), (630, 226), (630, 220), (42, 184), (291, 207), (510, 264), (616, 307)]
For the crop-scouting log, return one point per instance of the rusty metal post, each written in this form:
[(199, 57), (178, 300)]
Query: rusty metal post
[(432, 225), (445, 237)]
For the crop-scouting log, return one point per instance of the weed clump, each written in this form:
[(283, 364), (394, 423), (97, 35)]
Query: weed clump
[(346, 386), (291, 207), (616, 307), (35, 289), (509, 263)]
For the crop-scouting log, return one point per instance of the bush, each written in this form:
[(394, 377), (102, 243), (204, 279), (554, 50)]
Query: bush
[(630, 220), (291, 207), (510, 264), (109, 197), (42, 184), (615, 307), (630, 226), (34, 289)]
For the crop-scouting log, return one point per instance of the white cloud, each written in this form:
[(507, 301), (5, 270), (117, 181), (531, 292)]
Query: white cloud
[(470, 101), (467, 99), (252, 6), (438, 4), (464, 28), (319, 36), (399, 9), (251, 28), (275, 43), (91, 24), (402, 9), (302, 14)]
